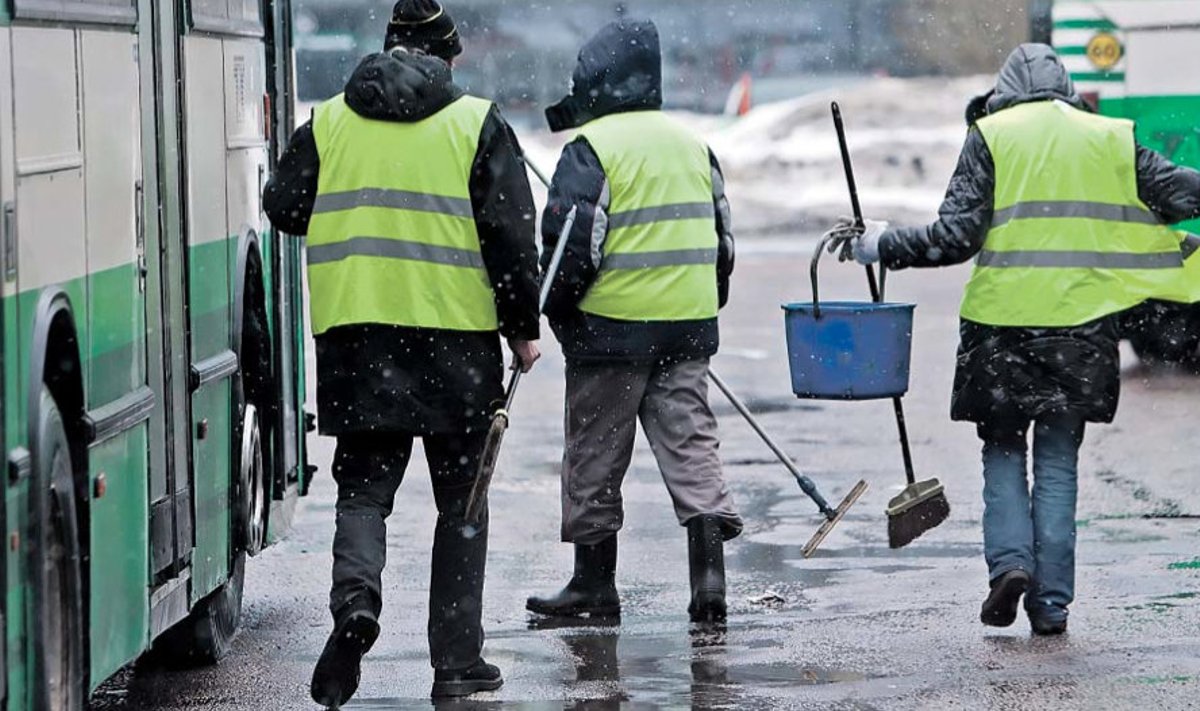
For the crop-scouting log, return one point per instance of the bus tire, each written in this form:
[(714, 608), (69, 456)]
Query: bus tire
[(206, 635), (1164, 332), (61, 677)]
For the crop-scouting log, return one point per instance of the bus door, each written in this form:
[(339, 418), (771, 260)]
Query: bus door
[(287, 252), (223, 67), (171, 520)]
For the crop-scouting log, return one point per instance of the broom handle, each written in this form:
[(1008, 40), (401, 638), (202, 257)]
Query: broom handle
[(876, 291), (805, 483), (552, 271)]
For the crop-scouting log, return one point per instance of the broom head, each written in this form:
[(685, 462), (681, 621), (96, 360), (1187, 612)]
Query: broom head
[(919, 508), (487, 467)]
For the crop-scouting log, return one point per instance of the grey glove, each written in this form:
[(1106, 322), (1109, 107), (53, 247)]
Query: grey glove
[(844, 234)]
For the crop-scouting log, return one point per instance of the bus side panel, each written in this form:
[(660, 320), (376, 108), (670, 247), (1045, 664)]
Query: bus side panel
[(210, 560), (50, 232), (209, 289), (112, 148), (120, 611), (14, 407), (1163, 97), (208, 236), (119, 607)]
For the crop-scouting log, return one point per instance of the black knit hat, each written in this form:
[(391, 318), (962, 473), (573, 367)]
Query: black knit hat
[(423, 25)]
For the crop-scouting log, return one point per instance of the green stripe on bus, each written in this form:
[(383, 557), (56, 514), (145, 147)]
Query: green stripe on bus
[(1093, 24), (1166, 124), (1072, 51), (1098, 76)]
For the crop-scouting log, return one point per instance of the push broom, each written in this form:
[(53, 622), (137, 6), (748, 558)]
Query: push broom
[(832, 516), (922, 505), (500, 419)]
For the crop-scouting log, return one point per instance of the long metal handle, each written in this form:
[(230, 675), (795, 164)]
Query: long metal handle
[(852, 184), (876, 291), (555, 261), (805, 483), (535, 170)]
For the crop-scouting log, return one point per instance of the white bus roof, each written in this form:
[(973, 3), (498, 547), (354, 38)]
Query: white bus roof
[(1132, 14)]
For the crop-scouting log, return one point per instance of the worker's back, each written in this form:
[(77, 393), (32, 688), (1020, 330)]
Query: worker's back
[(659, 257), (1071, 240), (393, 238)]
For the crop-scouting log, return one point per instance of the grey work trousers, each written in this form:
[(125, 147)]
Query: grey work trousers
[(604, 403), (368, 469)]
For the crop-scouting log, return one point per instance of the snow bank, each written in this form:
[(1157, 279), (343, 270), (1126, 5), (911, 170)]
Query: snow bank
[(784, 168)]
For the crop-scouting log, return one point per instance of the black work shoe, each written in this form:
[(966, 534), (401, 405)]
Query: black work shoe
[(592, 590), (1047, 628), (706, 562), (1000, 607), (335, 678), (480, 676)]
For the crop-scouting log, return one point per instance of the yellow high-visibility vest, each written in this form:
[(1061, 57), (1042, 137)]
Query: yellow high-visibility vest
[(659, 257), (1070, 240), (392, 238)]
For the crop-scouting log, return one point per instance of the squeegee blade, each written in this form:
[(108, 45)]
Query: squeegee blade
[(819, 537)]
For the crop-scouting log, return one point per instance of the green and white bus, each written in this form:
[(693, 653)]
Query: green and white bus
[(1136, 59), (153, 384)]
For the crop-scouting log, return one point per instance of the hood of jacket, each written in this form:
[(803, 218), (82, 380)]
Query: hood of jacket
[(1033, 72), (401, 86), (619, 70)]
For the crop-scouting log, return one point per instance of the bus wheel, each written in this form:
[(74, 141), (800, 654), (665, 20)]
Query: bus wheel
[(1163, 332), (206, 635), (60, 607), (250, 501)]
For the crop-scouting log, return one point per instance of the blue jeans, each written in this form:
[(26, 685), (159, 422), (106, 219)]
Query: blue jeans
[(1038, 535)]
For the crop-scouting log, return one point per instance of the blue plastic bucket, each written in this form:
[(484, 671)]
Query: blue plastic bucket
[(853, 351)]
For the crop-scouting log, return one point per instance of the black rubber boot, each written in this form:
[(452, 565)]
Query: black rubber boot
[(335, 678), (481, 676), (1000, 607), (706, 560), (592, 590)]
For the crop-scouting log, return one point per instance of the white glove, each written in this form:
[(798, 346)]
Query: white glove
[(866, 247)]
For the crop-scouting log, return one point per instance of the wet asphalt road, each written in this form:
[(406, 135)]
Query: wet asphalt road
[(861, 626)]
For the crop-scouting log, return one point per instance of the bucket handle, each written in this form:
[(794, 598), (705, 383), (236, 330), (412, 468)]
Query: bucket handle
[(812, 273)]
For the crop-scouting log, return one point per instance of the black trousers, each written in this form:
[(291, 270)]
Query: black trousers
[(368, 469)]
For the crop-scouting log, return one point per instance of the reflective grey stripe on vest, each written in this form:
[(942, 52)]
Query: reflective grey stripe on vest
[(1081, 260), (662, 213), (393, 249), (1191, 245), (393, 199), (1075, 209), (670, 258)]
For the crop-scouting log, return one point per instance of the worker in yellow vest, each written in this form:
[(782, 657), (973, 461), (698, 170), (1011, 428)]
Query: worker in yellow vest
[(421, 254), (1065, 215), (634, 304)]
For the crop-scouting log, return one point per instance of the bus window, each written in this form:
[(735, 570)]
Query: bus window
[(115, 12), (238, 17)]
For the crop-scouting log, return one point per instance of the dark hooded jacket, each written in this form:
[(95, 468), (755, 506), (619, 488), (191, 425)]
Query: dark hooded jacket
[(375, 377), (619, 70), (1018, 374)]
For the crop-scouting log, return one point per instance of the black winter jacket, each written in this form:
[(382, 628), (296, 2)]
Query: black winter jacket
[(619, 71), (1021, 373), (375, 377)]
